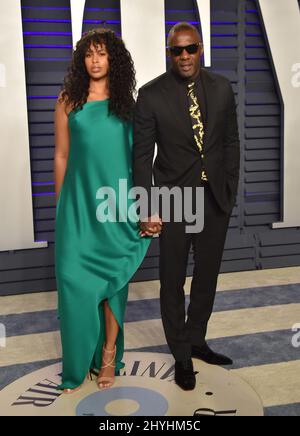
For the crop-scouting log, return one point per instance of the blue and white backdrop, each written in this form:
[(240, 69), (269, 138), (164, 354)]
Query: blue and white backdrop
[(255, 43)]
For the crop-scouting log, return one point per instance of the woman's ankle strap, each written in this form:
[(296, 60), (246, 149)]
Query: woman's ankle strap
[(109, 351)]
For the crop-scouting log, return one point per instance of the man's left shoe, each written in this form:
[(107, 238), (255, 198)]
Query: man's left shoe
[(185, 375), (209, 356)]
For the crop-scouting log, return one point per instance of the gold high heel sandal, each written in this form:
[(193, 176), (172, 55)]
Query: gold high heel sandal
[(105, 382), (70, 391)]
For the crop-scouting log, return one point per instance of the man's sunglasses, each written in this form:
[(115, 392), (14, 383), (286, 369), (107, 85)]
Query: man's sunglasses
[(191, 49)]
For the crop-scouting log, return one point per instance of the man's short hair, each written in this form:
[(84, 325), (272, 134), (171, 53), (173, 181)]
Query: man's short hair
[(183, 25)]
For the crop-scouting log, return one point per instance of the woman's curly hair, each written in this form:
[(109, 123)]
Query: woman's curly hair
[(122, 82)]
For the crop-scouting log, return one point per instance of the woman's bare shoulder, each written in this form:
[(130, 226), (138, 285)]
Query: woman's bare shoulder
[(62, 105)]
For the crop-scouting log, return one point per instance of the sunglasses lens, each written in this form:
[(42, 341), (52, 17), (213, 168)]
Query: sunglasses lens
[(176, 51), (191, 49)]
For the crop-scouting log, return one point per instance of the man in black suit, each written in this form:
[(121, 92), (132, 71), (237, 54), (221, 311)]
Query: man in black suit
[(190, 114)]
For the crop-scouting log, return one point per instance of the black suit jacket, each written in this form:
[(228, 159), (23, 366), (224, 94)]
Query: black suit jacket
[(178, 162)]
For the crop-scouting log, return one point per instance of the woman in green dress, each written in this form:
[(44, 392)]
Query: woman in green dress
[(94, 256)]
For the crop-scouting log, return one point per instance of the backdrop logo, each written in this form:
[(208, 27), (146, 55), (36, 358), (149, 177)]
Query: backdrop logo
[(137, 37), (146, 388), (282, 26), (16, 215)]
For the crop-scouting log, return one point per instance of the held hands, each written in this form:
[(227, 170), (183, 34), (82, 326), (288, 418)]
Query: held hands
[(150, 226)]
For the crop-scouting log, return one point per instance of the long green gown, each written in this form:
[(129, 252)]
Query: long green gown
[(94, 260)]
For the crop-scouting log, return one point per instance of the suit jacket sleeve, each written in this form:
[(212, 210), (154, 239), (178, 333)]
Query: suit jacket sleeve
[(144, 138), (231, 142)]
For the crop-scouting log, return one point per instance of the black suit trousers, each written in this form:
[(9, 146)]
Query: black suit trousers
[(183, 331)]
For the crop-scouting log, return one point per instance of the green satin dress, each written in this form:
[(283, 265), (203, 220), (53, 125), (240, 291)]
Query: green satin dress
[(94, 260)]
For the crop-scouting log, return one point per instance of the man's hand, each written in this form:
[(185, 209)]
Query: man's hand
[(150, 226)]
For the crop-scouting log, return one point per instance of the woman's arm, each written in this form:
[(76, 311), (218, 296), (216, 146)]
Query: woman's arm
[(62, 144)]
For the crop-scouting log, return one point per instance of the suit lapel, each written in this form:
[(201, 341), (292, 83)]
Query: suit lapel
[(181, 118), (209, 87)]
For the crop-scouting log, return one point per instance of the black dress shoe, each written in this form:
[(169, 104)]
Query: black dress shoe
[(184, 375), (209, 356)]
